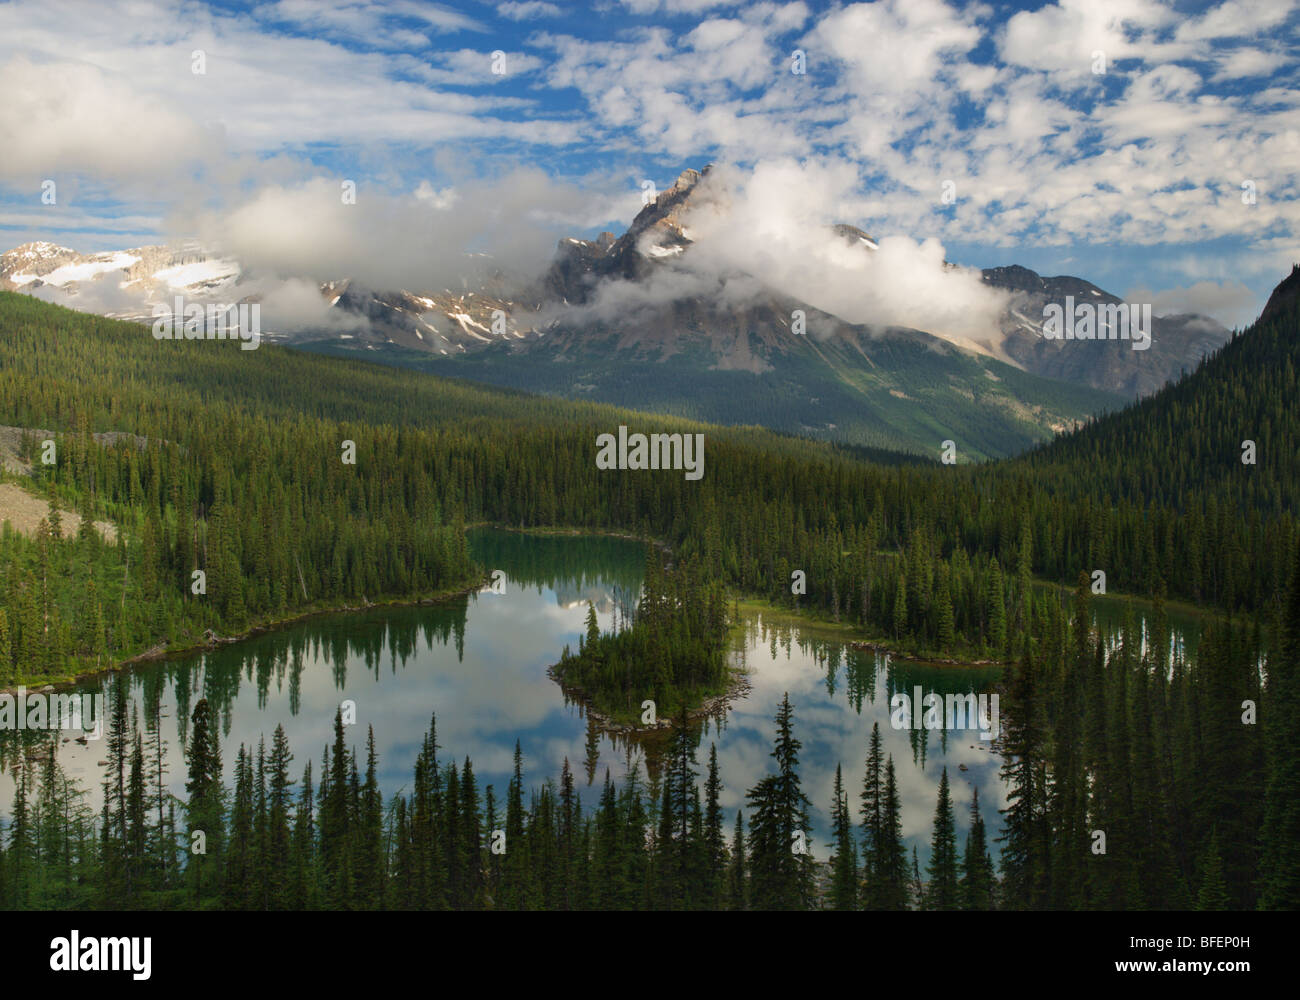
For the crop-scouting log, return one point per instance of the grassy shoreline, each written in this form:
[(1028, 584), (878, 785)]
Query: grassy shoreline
[(170, 650), (827, 628), (749, 605)]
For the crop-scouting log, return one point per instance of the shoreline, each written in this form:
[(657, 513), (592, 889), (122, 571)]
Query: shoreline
[(779, 616), (933, 660), (556, 532), (736, 688), (163, 651)]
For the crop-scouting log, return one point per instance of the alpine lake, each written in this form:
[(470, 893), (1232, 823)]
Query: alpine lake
[(479, 663)]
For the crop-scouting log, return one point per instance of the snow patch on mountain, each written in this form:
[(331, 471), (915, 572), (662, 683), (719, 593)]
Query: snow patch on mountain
[(197, 273)]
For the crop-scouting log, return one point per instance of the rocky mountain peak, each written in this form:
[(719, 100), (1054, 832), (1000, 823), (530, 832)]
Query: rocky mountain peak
[(40, 248), (664, 211), (853, 235), (687, 179)]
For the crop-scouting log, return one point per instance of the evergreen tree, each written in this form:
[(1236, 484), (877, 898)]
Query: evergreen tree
[(942, 893), (1213, 894), (977, 882), (714, 846), (780, 857), (206, 799), (872, 819), (737, 874), (844, 863), (1025, 836), (280, 839), (890, 863)]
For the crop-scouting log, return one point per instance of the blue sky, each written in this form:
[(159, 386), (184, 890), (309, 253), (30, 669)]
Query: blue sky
[(1104, 138)]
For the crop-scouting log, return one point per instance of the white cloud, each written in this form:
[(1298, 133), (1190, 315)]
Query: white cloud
[(1247, 62), (1061, 38), (364, 19), (904, 94), (676, 6), (293, 305), (1220, 299), (75, 117), (1230, 302), (73, 83), (428, 241), (770, 231), (528, 10), (896, 48)]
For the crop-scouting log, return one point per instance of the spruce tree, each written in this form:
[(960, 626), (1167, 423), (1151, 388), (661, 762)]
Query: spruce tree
[(977, 866), (780, 851), (871, 812), (1213, 894), (206, 793), (737, 875), (844, 864), (942, 891), (714, 846), (890, 863), (279, 835)]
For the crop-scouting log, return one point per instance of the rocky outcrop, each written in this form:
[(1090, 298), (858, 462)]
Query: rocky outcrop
[(1177, 342)]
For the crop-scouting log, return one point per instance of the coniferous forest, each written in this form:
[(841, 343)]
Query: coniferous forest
[(641, 460), (1122, 740), (238, 500)]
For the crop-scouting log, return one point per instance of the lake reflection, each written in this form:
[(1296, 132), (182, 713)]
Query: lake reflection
[(479, 662)]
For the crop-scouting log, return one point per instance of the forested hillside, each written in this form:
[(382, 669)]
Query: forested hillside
[(1184, 447), (889, 392), (1197, 811), (244, 478)]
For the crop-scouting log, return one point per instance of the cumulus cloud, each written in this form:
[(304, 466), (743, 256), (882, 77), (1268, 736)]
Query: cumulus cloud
[(295, 305), (74, 117), (911, 93), (923, 37), (103, 97), (771, 231), (776, 225), (1230, 302), (427, 240), (1062, 38), (527, 10)]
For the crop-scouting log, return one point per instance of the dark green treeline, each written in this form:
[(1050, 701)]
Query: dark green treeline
[(238, 471), (1134, 782)]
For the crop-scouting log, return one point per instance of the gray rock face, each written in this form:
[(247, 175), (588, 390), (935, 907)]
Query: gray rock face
[(751, 336), (147, 271), (1177, 342)]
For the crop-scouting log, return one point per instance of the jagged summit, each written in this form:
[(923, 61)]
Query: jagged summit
[(854, 235), (147, 271), (661, 217), (754, 336), (40, 249)]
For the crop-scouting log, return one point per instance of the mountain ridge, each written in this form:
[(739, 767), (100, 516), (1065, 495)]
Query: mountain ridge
[(597, 324)]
